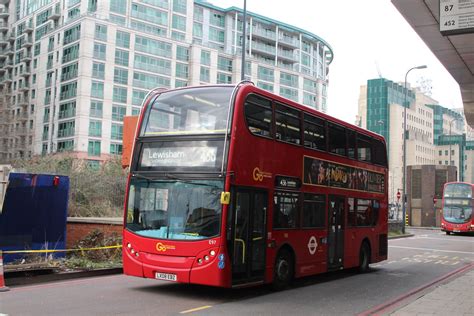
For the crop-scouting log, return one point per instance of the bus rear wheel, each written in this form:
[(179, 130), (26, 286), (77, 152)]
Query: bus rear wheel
[(283, 270), (448, 233), (364, 258)]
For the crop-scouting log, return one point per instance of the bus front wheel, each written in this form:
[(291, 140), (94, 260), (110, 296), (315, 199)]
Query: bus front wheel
[(448, 233), (283, 270), (364, 258)]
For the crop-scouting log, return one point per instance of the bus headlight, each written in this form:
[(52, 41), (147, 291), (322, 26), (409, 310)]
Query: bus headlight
[(213, 253)]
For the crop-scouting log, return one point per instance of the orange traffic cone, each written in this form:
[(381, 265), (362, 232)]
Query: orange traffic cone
[(3, 288)]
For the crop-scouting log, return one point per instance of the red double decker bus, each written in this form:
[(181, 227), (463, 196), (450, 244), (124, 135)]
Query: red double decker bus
[(233, 186), (457, 208)]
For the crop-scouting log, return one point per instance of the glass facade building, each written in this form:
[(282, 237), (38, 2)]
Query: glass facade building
[(70, 70)]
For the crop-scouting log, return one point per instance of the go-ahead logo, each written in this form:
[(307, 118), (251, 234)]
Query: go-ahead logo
[(258, 174), (162, 247)]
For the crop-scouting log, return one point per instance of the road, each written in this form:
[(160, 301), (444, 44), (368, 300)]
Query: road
[(413, 262)]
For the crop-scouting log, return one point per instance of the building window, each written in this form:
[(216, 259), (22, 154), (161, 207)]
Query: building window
[(116, 131), (138, 96), (72, 34), (224, 78), (68, 90), (205, 74), (118, 6), (66, 145), (266, 74), (182, 53), (217, 19), (152, 64), (123, 39), (182, 70), (120, 95), (224, 64), (116, 149), (96, 109), (95, 128), (67, 110), (66, 129), (99, 51), (121, 75), (205, 58), (179, 6), (98, 70), (101, 32), (118, 112), (179, 22), (121, 57), (94, 148), (153, 47), (97, 89)]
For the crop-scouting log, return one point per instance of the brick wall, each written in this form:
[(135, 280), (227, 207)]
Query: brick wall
[(77, 228)]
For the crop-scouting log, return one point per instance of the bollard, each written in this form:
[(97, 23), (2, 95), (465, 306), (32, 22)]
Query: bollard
[(3, 288)]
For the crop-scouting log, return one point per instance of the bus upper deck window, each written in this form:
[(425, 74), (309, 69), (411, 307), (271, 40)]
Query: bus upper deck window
[(258, 114)]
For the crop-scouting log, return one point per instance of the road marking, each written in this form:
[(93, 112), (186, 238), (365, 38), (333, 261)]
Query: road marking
[(195, 309), (429, 249), (445, 239)]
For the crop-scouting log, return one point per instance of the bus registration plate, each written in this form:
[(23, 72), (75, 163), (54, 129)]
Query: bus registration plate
[(166, 276)]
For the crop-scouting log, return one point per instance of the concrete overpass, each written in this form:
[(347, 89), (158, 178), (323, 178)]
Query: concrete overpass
[(455, 52)]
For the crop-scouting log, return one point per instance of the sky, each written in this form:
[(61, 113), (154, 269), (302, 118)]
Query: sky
[(368, 37)]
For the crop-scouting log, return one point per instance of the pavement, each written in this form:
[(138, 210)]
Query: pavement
[(455, 296)]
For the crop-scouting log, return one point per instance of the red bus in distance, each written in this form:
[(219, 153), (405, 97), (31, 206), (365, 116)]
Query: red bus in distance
[(457, 208), (233, 186)]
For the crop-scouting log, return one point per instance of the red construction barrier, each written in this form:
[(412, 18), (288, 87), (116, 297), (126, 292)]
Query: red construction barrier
[(3, 288)]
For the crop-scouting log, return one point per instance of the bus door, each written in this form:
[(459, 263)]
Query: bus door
[(249, 235), (336, 232)]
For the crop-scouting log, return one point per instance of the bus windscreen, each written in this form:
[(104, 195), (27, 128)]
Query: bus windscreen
[(174, 209)]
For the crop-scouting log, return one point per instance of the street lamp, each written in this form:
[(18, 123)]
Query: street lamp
[(404, 201), (244, 35), (450, 140)]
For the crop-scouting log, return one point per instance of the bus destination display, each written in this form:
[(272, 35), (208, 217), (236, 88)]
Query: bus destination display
[(195, 154)]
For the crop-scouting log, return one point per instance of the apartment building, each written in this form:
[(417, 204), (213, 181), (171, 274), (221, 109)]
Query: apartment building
[(71, 70), (435, 134)]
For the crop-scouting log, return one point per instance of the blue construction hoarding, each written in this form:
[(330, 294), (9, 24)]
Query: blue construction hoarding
[(34, 214)]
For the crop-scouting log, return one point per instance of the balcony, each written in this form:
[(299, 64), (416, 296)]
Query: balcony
[(3, 40), (3, 26), (4, 14), (264, 34), (21, 145), (29, 28), (22, 131), (268, 50), (56, 14), (6, 79), (24, 88), (288, 41), (26, 57), (5, 2), (8, 65), (11, 37), (23, 101), (28, 42), (22, 117), (288, 55), (26, 72)]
